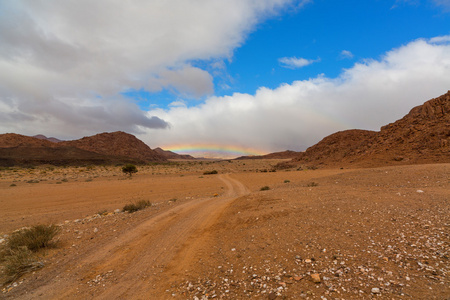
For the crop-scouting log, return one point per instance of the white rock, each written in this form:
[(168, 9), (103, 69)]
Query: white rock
[(375, 290), (419, 191)]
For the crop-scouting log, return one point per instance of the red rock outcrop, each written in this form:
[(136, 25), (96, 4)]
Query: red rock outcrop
[(422, 136), (116, 144)]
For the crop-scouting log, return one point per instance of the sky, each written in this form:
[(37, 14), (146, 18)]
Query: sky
[(218, 78)]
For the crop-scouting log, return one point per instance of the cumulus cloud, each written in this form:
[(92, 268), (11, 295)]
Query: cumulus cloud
[(64, 62), (295, 116), (188, 82), (296, 62)]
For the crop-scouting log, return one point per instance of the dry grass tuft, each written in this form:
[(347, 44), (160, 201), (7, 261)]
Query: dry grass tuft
[(18, 255), (133, 207), (34, 238)]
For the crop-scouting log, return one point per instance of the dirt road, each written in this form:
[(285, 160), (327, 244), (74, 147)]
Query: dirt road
[(136, 261)]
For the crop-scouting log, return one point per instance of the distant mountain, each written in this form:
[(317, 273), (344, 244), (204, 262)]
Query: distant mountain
[(172, 155), (105, 148), (50, 139), (8, 140), (118, 144), (275, 155), (422, 136)]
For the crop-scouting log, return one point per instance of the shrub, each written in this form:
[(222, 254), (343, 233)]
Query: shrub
[(210, 172), (18, 253), (129, 169), (133, 207), (34, 238), (287, 181), (311, 184), (264, 188), (18, 262)]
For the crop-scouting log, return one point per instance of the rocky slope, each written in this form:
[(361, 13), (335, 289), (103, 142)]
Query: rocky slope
[(9, 140), (104, 148), (50, 139), (116, 144), (275, 155), (422, 136), (172, 155)]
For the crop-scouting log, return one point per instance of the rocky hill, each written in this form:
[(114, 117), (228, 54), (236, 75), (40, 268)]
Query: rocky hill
[(50, 139), (422, 136), (117, 143), (276, 155), (104, 148), (172, 155), (9, 140)]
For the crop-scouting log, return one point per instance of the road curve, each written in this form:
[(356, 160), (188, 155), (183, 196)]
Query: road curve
[(154, 252)]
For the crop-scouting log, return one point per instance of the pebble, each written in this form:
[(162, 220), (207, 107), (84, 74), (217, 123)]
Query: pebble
[(315, 278), (375, 291)]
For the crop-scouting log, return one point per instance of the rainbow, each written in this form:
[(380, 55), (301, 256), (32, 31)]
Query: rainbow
[(212, 150)]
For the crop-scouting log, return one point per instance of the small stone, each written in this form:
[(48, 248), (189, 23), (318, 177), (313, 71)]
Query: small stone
[(117, 211), (308, 261), (298, 278), (315, 278), (419, 191), (272, 296), (376, 291), (95, 229)]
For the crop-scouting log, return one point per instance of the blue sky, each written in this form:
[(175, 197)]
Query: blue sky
[(256, 75), (333, 34)]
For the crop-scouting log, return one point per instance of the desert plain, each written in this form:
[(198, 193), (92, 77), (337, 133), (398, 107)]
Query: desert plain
[(249, 231)]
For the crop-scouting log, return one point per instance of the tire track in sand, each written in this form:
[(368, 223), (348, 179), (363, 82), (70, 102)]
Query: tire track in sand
[(140, 257)]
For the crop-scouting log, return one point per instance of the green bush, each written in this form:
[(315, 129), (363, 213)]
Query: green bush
[(129, 169), (133, 207), (264, 188)]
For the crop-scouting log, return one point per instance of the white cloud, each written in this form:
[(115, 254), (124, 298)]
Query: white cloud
[(440, 39), (297, 115), (188, 81), (77, 56), (295, 62), (346, 54)]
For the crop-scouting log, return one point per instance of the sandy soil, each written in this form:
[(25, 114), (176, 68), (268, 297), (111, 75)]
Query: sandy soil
[(366, 233)]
